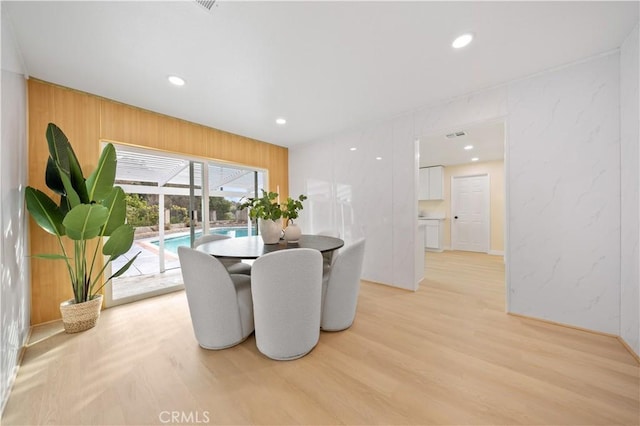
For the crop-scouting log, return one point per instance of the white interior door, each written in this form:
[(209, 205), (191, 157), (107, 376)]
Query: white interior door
[(470, 213)]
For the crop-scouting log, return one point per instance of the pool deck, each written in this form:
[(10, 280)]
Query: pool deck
[(144, 274)]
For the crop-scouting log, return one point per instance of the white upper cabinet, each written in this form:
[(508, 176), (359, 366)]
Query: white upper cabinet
[(436, 183), (423, 184), (431, 183)]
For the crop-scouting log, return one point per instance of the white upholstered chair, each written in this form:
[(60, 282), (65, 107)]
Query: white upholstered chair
[(287, 288), (340, 288), (234, 266), (220, 304), (327, 258)]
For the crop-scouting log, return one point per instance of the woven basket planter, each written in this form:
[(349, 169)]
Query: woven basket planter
[(78, 317)]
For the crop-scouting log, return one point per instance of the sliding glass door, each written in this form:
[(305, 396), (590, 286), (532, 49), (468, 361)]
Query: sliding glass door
[(171, 201)]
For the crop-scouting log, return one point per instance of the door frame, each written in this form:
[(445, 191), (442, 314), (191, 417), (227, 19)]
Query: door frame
[(109, 301), (486, 207), (455, 126)]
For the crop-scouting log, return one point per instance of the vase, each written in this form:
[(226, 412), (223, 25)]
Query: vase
[(82, 316), (292, 233), (270, 231)]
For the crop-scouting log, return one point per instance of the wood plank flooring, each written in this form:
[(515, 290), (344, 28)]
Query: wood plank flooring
[(447, 354)]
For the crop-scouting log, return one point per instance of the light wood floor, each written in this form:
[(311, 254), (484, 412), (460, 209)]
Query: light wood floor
[(447, 354)]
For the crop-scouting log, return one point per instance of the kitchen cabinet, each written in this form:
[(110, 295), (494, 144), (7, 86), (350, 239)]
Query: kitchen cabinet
[(432, 229), (431, 183)]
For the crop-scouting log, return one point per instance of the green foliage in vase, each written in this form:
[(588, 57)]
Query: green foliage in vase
[(292, 208), (265, 207), (89, 208)]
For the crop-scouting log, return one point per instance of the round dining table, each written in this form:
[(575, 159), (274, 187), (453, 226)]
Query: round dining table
[(252, 247)]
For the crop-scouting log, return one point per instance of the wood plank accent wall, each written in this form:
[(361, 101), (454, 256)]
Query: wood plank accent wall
[(86, 120)]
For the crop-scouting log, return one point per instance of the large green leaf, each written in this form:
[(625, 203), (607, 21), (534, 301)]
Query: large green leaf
[(124, 267), (119, 242), (84, 221), (100, 183), (64, 205), (44, 211), (52, 177), (117, 206), (58, 144), (77, 178), (71, 195), (50, 256), (63, 160)]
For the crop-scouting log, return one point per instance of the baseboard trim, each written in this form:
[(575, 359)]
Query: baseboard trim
[(629, 348), (14, 375), (491, 252), (575, 327), (388, 285)]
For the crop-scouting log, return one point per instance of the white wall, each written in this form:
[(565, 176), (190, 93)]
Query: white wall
[(356, 195), (562, 184), (14, 293), (630, 181), (564, 195)]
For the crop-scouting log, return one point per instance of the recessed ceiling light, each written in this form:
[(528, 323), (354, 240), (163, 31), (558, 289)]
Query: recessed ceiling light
[(468, 147), (462, 41), (174, 79), (475, 159), (281, 121), (353, 149), (378, 158)]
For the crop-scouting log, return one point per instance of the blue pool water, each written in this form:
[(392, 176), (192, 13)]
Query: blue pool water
[(172, 244)]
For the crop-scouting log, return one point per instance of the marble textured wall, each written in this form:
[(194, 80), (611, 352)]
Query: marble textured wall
[(564, 195), (367, 192), (14, 290), (562, 182), (630, 181)]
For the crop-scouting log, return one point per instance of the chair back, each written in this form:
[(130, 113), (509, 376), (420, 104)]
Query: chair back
[(208, 238), (329, 233), (234, 266), (287, 289), (212, 300), (343, 285)]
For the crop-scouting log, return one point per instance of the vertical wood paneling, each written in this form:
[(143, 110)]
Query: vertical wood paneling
[(77, 114), (86, 119)]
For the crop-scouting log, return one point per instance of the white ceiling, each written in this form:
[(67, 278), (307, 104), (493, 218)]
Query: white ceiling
[(487, 140), (140, 165), (325, 66)]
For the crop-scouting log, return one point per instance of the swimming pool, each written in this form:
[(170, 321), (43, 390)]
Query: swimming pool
[(172, 244)]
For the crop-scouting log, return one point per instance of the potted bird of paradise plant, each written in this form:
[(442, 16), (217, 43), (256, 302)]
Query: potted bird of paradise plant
[(89, 209)]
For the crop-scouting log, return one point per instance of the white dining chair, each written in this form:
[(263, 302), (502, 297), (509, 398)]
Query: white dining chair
[(327, 257), (287, 289), (220, 304), (340, 288), (234, 266)]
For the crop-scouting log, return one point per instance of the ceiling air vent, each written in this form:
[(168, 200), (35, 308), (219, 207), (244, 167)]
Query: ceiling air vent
[(456, 134), (207, 4)]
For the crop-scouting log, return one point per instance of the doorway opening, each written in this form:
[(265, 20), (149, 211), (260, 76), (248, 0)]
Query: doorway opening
[(472, 209)]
